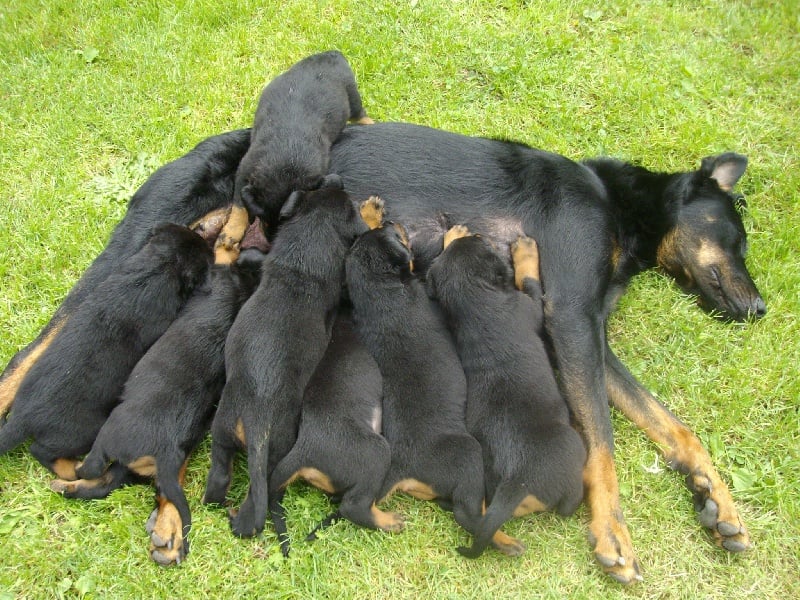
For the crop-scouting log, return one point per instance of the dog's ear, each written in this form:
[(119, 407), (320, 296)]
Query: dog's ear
[(725, 168), (331, 181), (249, 202), (291, 204)]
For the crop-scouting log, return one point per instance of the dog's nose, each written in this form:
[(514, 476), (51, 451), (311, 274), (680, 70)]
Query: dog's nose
[(759, 308)]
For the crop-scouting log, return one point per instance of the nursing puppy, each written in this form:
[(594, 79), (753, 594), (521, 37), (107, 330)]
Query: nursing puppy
[(276, 343), (69, 391), (424, 389), (299, 115), (533, 460), (339, 446), (166, 409)]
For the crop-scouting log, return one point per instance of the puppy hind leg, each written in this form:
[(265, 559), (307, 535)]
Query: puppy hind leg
[(169, 531), (113, 478)]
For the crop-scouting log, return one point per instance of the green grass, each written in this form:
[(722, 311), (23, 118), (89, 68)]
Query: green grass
[(95, 94)]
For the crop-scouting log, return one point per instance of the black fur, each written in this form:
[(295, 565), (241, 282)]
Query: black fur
[(340, 432), (276, 342), (514, 407), (170, 396), (424, 389), (67, 395), (300, 114)]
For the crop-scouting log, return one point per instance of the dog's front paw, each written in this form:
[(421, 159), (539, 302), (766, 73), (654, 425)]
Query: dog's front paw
[(613, 549), (243, 522), (373, 210), (716, 511), (454, 233), (167, 546)]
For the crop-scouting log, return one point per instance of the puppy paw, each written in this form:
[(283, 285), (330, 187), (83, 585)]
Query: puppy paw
[(525, 257), (388, 521), (454, 233), (210, 225), (611, 542), (373, 210), (167, 546), (243, 523), (227, 246), (508, 545)]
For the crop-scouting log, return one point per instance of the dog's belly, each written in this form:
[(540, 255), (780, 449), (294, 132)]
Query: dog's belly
[(432, 179)]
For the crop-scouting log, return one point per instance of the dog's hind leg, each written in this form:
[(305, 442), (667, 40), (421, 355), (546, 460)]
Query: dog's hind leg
[(170, 523), (101, 486), (683, 451), (507, 498), (226, 248), (249, 520)]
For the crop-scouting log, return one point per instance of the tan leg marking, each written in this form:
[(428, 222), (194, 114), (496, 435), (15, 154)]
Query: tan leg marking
[(525, 256), (415, 488), (144, 466), (373, 211), (226, 248), (387, 521), (530, 504), (64, 468), (454, 233), (504, 543), (316, 478), (62, 486), (239, 433), (608, 532), (365, 120), (166, 533), (12, 381)]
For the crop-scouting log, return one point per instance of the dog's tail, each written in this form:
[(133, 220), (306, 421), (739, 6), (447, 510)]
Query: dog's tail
[(12, 434), (506, 499)]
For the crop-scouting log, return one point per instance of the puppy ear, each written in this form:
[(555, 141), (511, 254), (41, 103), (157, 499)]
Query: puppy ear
[(332, 181), (726, 168), (249, 202), (291, 204)]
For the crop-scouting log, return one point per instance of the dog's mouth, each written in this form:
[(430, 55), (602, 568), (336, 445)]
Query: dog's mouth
[(730, 297)]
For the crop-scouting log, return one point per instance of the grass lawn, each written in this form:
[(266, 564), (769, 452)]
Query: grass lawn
[(95, 95)]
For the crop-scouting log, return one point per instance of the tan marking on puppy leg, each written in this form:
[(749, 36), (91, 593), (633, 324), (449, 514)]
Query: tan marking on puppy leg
[(317, 478), (63, 486), (209, 225), (166, 534), (525, 256), (144, 466), (530, 504), (64, 468), (405, 241), (239, 433), (387, 521), (454, 233), (507, 545), (415, 488), (365, 120), (373, 211), (12, 381), (226, 248)]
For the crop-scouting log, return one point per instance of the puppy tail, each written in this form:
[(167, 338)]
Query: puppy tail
[(11, 436), (506, 498)]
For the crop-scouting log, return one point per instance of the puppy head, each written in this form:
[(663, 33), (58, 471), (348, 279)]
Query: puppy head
[(380, 254), (328, 208), (182, 251), (468, 260)]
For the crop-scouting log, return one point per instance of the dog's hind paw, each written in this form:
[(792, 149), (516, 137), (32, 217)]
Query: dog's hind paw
[(717, 512), (454, 233), (505, 544), (167, 546), (243, 523)]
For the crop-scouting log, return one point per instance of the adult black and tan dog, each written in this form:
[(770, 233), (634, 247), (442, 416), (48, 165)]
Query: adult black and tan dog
[(532, 458), (300, 114), (70, 390), (166, 409), (424, 387), (276, 343), (597, 224)]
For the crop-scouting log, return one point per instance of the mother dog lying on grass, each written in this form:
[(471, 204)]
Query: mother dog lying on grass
[(598, 224)]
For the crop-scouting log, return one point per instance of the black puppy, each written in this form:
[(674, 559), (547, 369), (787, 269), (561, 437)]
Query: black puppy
[(69, 391), (424, 389), (533, 460), (299, 115), (275, 344), (179, 192), (166, 409), (339, 446)]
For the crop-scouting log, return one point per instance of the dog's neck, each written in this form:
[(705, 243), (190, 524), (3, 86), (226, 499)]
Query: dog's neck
[(644, 205)]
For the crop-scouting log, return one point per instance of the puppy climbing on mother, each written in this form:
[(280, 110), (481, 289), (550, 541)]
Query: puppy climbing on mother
[(276, 343), (300, 114), (533, 459)]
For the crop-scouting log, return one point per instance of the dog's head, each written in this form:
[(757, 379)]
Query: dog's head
[(179, 250), (379, 254), (705, 250)]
